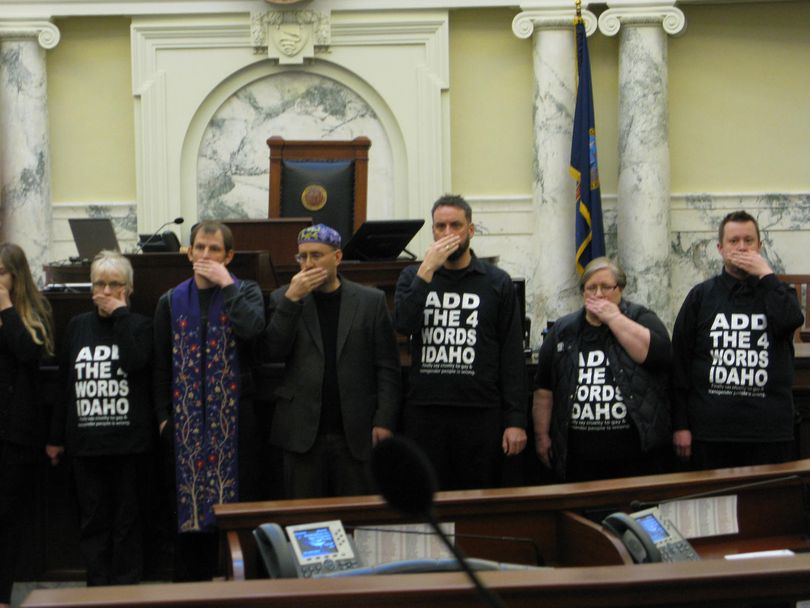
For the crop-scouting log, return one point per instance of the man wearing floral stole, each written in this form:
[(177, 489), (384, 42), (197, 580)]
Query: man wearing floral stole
[(203, 387)]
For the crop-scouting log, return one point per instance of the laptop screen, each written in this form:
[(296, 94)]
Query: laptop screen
[(91, 235), (381, 239)]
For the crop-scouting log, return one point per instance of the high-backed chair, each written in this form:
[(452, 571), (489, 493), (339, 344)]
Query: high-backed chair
[(325, 180)]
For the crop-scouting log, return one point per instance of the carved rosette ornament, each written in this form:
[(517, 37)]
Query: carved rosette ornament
[(290, 35)]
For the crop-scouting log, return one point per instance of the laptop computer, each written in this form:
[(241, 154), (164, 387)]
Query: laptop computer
[(91, 235), (379, 240)]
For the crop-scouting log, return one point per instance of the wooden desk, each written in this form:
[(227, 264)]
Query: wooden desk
[(770, 516), (717, 583)]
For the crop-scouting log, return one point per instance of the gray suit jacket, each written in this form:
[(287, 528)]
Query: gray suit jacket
[(367, 364)]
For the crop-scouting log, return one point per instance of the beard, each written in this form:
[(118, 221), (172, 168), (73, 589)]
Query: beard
[(462, 247)]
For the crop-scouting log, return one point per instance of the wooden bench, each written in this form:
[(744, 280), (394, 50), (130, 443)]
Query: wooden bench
[(741, 583), (770, 516)]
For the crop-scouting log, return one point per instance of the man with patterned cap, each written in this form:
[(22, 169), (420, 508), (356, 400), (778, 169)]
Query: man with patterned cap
[(341, 388)]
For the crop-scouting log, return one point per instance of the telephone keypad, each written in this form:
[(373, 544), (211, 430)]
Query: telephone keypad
[(677, 552)]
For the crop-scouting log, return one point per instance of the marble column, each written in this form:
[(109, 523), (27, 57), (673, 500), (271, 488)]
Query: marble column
[(643, 218), (552, 285), (25, 176)]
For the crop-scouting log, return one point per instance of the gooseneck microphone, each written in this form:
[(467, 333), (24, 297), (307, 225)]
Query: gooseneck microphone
[(406, 479), (155, 234)]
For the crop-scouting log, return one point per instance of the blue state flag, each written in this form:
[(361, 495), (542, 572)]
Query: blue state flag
[(590, 234)]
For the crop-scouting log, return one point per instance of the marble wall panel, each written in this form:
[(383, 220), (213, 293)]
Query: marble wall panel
[(504, 228), (233, 160), (123, 216)]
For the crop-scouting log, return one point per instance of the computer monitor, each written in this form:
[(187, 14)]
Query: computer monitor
[(379, 240), (159, 243), (91, 235)]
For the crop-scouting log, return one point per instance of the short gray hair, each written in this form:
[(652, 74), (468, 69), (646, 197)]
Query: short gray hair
[(603, 263), (114, 261)]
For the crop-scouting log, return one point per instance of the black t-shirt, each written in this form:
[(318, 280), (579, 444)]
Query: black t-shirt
[(328, 305), (601, 427), (105, 366), (466, 340), (733, 360)]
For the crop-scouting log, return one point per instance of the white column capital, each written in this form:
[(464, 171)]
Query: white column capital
[(46, 33), (549, 16), (642, 13)]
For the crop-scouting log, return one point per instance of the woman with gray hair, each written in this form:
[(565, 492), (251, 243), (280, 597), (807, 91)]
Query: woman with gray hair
[(106, 421), (601, 403)]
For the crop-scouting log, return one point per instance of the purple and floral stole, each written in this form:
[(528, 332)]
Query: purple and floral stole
[(205, 407)]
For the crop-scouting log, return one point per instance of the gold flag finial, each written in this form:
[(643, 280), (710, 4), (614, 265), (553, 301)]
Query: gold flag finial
[(578, 18)]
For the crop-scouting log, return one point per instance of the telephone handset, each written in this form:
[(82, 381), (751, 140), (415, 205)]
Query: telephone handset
[(313, 549), (650, 537)]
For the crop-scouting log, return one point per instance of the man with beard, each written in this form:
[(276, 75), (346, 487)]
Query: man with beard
[(466, 401)]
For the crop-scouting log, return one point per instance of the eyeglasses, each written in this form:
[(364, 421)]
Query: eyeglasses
[(111, 284), (315, 256), (606, 289)]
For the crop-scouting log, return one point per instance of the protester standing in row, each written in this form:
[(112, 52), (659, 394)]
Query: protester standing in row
[(25, 336), (105, 420)]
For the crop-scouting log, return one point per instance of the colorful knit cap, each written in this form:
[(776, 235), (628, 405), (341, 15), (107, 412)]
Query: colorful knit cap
[(320, 233)]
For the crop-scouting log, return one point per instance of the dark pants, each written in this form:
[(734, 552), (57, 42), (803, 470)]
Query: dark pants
[(110, 531), (462, 443), (591, 470), (725, 454), (328, 469), (196, 554), (18, 473)]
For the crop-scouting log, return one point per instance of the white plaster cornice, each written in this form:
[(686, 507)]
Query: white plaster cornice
[(69, 8), (46, 33), (555, 17), (642, 13)]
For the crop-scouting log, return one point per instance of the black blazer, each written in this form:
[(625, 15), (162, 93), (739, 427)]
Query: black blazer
[(367, 365)]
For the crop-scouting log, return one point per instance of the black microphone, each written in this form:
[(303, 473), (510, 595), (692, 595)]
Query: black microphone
[(142, 244), (406, 479)]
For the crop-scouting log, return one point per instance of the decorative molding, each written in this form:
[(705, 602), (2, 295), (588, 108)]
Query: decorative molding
[(290, 36), (555, 18), (47, 33), (173, 97), (73, 8), (642, 13)]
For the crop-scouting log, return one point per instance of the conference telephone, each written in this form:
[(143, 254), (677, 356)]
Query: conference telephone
[(650, 537), (312, 550)]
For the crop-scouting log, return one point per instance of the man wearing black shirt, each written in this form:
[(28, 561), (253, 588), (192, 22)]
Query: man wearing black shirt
[(466, 401), (733, 359), (341, 388)]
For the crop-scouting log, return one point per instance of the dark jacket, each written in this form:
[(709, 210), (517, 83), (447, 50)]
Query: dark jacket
[(367, 368), (245, 308), (645, 386), (23, 415)]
